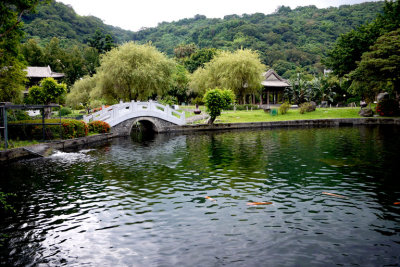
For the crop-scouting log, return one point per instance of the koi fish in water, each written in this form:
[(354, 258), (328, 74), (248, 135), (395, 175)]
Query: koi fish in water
[(207, 197), (397, 203), (258, 203), (333, 195)]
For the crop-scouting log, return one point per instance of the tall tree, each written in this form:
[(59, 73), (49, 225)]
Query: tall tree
[(379, 69), (33, 53), (12, 76), (102, 42), (240, 71), (133, 72), (349, 47)]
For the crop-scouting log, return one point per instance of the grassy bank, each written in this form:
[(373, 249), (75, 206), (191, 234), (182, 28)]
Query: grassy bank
[(293, 114), (18, 143)]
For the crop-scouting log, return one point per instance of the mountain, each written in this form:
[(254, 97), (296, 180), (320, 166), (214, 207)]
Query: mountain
[(287, 40)]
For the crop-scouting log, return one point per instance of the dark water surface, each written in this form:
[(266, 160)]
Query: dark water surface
[(131, 203)]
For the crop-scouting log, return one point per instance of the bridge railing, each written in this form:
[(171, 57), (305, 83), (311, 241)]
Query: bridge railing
[(119, 112)]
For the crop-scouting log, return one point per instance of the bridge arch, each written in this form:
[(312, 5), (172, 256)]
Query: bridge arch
[(150, 123), (147, 124)]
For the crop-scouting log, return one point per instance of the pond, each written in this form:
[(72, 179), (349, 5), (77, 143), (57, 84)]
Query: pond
[(142, 201)]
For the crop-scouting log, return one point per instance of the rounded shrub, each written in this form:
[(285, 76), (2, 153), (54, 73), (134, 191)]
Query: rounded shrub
[(387, 107), (283, 109), (99, 127), (306, 107), (64, 111)]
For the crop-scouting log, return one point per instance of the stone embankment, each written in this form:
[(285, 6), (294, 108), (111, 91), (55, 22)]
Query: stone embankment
[(44, 149), (280, 124)]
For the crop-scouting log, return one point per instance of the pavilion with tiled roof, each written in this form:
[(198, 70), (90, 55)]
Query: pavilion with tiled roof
[(35, 74), (274, 85)]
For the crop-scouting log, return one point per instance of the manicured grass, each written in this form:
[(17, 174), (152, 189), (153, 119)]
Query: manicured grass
[(188, 110), (293, 114)]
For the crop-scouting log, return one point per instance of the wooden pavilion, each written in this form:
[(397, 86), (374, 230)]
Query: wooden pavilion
[(274, 85), (35, 74)]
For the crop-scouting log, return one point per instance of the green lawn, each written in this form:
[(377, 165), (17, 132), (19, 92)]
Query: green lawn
[(293, 114)]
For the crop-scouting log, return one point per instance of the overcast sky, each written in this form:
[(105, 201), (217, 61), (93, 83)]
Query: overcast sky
[(133, 14)]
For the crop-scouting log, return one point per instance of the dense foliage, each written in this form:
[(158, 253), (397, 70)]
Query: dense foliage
[(61, 21), (12, 76), (379, 68), (289, 40), (68, 129), (99, 127), (349, 47), (369, 55), (75, 61), (240, 71), (387, 107), (295, 39), (128, 72)]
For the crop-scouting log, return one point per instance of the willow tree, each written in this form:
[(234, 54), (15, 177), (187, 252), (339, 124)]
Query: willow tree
[(80, 92), (240, 71), (133, 72)]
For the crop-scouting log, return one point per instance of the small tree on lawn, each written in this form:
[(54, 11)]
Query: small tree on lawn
[(216, 100), (48, 92)]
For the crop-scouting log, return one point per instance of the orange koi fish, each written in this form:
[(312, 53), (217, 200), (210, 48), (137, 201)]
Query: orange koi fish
[(258, 203), (397, 203), (207, 197), (333, 195)]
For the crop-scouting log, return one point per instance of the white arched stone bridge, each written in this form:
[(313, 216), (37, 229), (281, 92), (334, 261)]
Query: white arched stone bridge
[(123, 116)]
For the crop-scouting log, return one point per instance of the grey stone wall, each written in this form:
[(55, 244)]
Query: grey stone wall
[(125, 128)]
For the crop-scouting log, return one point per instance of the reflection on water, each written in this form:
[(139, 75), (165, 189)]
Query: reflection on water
[(141, 201)]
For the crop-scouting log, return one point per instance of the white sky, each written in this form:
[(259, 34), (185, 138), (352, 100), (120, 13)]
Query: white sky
[(134, 14)]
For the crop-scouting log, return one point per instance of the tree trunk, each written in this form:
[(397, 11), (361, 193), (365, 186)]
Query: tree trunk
[(47, 113), (211, 120)]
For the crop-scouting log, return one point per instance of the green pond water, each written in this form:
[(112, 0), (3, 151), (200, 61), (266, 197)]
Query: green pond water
[(141, 201)]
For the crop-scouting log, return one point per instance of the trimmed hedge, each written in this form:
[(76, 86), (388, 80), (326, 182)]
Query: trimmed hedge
[(68, 129), (99, 127)]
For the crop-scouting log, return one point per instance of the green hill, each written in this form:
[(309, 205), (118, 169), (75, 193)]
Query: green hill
[(286, 40), (61, 21)]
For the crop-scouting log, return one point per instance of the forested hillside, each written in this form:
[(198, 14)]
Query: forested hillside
[(289, 40), (61, 21), (286, 39)]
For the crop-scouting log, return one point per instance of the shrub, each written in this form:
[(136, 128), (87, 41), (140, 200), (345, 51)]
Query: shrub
[(17, 115), (387, 107), (99, 127), (283, 109), (74, 128), (29, 131), (216, 100), (306, 107), (64, 111)]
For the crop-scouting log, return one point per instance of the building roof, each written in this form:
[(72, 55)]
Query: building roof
[(42, 72), (272, 79)]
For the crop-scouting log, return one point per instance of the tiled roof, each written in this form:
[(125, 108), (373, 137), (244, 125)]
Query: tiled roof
[(272, 79), (42, 72)]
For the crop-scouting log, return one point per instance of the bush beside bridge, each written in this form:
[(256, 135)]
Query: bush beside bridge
[(24, 130)]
